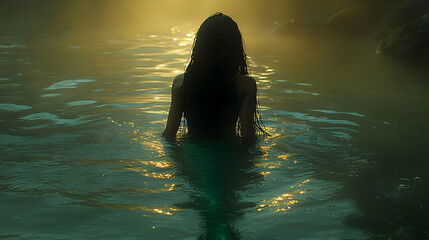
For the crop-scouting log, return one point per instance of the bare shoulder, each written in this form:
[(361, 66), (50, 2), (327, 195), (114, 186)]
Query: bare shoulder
[(246, 83), (178, 81)]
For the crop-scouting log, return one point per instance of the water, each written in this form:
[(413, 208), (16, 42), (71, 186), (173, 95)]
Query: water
[(82, 157)]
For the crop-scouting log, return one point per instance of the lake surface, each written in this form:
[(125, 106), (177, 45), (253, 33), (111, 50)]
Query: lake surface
[(82, 156)]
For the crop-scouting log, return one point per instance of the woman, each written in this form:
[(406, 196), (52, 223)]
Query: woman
[(215, 94)]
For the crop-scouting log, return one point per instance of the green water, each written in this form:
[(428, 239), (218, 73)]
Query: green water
[(82, 157)]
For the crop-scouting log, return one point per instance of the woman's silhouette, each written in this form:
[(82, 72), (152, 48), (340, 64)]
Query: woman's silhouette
[(216, 95)]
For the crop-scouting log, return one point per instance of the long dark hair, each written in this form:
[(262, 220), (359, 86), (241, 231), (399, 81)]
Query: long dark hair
[(209, 90)]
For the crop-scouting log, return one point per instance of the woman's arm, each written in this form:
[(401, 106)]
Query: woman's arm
[(248, 109), (176, 109)]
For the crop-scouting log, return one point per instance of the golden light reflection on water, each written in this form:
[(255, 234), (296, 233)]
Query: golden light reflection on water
[(165, 72), (158, 164), (176, 48), (158, 175), (284, 202), (265, 151), (150, 142), (284, 156), (165, 210), (269, 165), (153, 146), (146, 140), (161, 112), (156, 190)]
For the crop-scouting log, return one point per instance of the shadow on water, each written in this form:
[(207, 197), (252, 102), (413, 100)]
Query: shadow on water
[(217, 173), (392, 194)]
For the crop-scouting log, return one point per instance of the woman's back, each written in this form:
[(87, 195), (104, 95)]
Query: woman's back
[(216, 115), (213, 120)]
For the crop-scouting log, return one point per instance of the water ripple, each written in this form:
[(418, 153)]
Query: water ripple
[(306, 117), (68, 84), (13, 107), (55, 119)]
